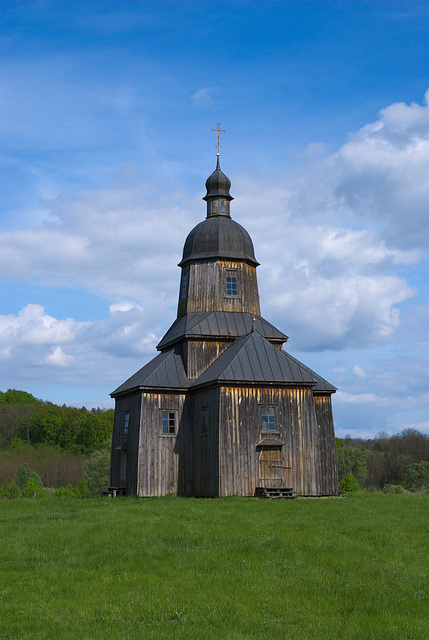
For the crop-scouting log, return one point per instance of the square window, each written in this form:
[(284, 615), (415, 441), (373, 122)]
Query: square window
[(268, 419), (126, 423), (168, 422)]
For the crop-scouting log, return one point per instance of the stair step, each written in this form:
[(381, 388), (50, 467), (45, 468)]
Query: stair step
[(275, 493)]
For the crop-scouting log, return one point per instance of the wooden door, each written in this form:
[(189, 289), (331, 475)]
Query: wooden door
[(270, 467)]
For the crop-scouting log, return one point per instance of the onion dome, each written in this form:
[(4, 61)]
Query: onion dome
[(218, 185), (218, 237)]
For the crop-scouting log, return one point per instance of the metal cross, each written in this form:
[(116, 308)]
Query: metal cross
[(219, 131)]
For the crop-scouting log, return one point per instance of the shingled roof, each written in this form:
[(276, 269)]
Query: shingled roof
[(253, 359), (219, 323), (164, 371)]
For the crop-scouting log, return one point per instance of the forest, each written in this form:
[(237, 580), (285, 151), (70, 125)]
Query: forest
[(47, 449)]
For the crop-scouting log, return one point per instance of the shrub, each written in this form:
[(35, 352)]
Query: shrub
[(97, 471), (33, 490), (416, 475), (64, 492), (24, 474), (80, 490), (349, 484), (14, 491)]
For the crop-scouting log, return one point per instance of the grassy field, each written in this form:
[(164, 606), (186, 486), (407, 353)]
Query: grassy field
[(230, 569)]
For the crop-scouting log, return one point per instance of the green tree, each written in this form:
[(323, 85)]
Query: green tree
[(416, 475), (352, 460), (349, 484), (23, 474), (97, 470), (32, 490)]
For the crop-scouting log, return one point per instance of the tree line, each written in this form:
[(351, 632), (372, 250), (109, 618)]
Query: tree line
[(384, 463), (26, 419), (47, 449)]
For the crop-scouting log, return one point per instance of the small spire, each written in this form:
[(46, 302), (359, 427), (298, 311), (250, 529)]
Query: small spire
[(219, 131)]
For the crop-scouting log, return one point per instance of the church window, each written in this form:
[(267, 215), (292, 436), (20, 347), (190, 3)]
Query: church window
[(184, 288), (168, 422), (268, 419), (231, 283), (126, 423)]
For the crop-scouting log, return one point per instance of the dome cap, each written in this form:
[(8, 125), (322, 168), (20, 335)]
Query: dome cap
[(218, 237), (218, 185)]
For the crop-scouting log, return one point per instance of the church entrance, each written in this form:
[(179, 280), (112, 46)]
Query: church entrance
[(271, 468)]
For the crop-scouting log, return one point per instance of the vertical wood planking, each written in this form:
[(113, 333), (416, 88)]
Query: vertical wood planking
[(207, 287)]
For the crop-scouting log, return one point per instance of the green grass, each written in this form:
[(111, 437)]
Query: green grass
[(230, 569)]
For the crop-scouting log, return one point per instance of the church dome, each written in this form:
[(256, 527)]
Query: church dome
[(218, 237), (218, 185)]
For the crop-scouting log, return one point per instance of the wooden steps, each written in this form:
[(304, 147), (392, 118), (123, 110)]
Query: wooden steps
[(275, 493)]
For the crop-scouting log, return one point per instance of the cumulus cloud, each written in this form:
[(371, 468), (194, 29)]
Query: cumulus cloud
[(34, 345), (358, 371), (379, 177)]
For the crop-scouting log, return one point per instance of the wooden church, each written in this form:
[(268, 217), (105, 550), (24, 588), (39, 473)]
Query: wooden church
[(223, 410)]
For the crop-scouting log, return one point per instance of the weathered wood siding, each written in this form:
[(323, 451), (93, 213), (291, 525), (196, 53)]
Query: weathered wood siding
[(131, 404), (297, 428), (328, 448), (205, 442), (163, 465), (206, 290), (200, 354)]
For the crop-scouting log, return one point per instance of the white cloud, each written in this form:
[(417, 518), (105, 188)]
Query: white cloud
[(202, 98), (359, 372), (58, 358), (34, 345)]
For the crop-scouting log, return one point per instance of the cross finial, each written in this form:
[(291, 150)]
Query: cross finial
[(219, 131)]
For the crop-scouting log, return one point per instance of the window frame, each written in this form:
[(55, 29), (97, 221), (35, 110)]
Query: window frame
[(268, 429), (184, 285), (171, 429), (233, 274), (126, 424)]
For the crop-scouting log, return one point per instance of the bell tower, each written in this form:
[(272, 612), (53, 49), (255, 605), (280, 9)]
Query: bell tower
[(218, 263)]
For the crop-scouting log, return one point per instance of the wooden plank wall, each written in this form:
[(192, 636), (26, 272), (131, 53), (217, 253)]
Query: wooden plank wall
[(328, 448), (200, 354), (205, 452), (240, 431), (131, 404), (207, 287), (162, 459)]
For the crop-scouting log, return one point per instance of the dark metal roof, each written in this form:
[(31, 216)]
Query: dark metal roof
[(218, 237), (212, 324), (166, 371), (218, 184), (252, 358)]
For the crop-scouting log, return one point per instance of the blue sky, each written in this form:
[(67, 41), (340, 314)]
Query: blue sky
[(106, 117)]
